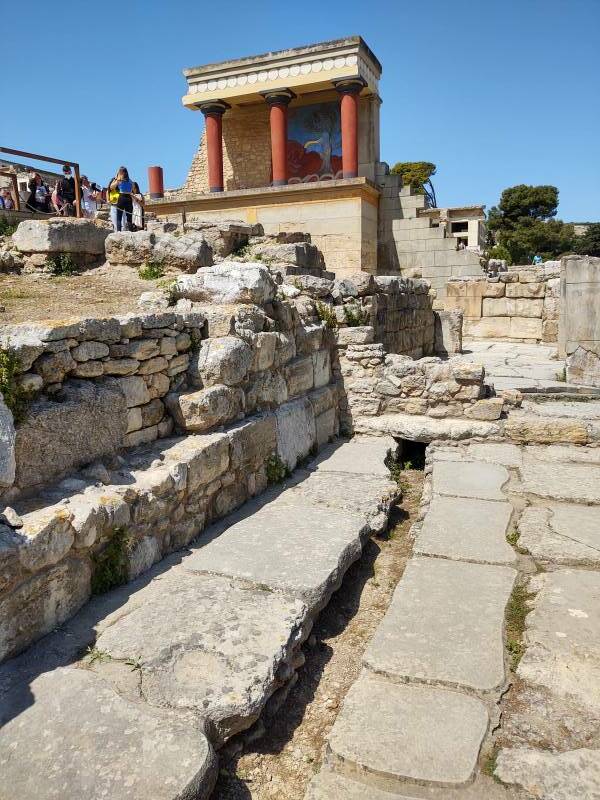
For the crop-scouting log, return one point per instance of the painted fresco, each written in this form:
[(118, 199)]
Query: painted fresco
[(314, 147)]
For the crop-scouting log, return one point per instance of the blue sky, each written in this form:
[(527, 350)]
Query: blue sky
[(495, 93)]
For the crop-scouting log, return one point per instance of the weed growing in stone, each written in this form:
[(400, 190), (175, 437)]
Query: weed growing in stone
[(134, 663), (516, 612), (111, 565), (15, 396), (327, 315), (151, 271), (61, 265), (6, 229), (512, 537), (489, 765), (94, 654), (355, 316), (277, 471)]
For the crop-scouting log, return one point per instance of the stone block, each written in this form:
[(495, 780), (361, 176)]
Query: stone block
[(56, 438), (222, 360), (132, 387), (199, 411), (296, 432), (489, 409), (299, 375), (525, 328), (487, 328), (321, 368), (448, 332), (528, 290), (7, 445), (229, 282), (495, 290), (470, 306), (60, 235)]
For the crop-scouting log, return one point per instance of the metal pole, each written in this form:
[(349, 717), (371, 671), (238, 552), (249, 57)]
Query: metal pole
[(37, 157)]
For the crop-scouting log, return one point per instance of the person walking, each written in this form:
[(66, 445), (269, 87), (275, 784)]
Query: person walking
[(34, 182), (121, 187), (138, 208), (88, 198)]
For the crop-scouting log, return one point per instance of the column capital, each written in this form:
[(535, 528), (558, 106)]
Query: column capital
[(218, 107), (278, 97), (349, 85)]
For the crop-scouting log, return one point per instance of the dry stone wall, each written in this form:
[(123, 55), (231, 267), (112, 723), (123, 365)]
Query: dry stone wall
[(519, 305)]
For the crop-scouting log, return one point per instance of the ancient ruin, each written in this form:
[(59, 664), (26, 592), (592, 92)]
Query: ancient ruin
[(308, 520)]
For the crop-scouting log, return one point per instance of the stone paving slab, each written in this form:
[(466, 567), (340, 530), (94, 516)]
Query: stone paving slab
[(564, 533), (564, 408), (574, 775), (466, 529), (407, 732), (330, 786), (470, 479), (77, 738), (361, 455), (562, 452), (563, 636), (509, 455), (301, 549), (560, 480), (444, 625)]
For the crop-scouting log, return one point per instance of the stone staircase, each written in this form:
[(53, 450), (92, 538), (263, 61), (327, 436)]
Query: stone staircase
[(135, 694)]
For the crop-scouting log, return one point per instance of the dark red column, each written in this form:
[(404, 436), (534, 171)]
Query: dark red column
[(155, 182), (349, 91), (278, 118), (213, 115)]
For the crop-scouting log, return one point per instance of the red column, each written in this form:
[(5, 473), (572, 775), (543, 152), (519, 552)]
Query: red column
[(213, 115), (278, 117), (349, 91), (155, 182)]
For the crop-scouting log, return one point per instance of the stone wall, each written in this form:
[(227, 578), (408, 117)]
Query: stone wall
[(579, 340), (519, 305)]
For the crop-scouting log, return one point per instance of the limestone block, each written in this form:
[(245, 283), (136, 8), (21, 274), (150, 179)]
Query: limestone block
[(222, 360), (37, 606), (325, 426), (527, 428), (448, 332), (487, 328), (120, 366), (7, 445), (299, 375), (46, 537), (89, 369), (495, 290), (456, 288), (357, 284), (296, 432), (134, 419), (132, 248), (267, 389), (525, 328), (132, 387), (311, 285), (188, 253), (544, 774), (143, 436), (199, 411), (525, 289), (322, 368), (470, 306), (152, 413), (60, 235), (54, 366), (55, 438), (152, 365), (264, 346), (252, 442), (229, 282), (309, 338), (89, 350), (363, 334), (489, 409), (583, 367)]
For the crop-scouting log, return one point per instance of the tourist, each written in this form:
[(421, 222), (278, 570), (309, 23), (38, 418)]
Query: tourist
[(6, 200), (121, 186), (537, 260), (32, 185), (88, 198), (65, 189), (137, 219)]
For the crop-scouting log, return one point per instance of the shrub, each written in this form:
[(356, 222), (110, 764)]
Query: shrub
[(151, 271), (111, 565), (327, 315), (61, 265), (15, 396), (277, 471), (6, 229), (355, 316)]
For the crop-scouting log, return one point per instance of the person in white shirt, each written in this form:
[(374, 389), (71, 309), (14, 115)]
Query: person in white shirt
[(88, 198)]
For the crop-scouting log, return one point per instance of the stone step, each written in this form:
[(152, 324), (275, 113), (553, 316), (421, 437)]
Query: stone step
[(420, 428), (188, 654), (444, 626), (407, 732)]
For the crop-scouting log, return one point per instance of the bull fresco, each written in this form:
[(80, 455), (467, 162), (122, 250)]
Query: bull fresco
[(314, 148)]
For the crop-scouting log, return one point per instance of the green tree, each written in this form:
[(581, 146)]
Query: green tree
[(522, 224), (589, 243), (418, 175)]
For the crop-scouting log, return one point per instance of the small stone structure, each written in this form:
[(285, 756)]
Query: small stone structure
[(520, 305), (579, 339)]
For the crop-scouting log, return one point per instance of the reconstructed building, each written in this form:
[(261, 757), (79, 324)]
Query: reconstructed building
[(291, 141)]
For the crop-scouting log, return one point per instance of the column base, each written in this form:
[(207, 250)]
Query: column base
[(216, 189), (279, 182), (156, 195), (349, 174)]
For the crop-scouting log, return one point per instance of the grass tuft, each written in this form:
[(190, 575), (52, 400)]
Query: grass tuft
[(516, 613), (111, 565), (151, 271), (355, 316), (327, 315), (61, 265), (15, 396), (277, 471)]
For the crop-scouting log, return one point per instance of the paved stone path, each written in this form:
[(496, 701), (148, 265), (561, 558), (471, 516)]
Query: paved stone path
[(443, 703), (511, 365), (187, 655)]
